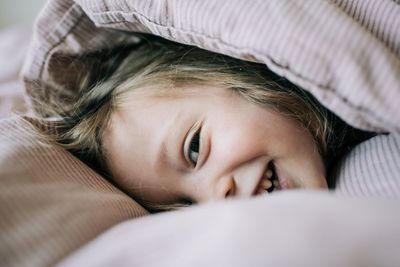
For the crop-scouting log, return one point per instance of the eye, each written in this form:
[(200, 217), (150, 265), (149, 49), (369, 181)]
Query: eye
[(193, 151)]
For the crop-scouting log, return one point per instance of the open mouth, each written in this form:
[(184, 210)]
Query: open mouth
[(269, 181), (274, 179)]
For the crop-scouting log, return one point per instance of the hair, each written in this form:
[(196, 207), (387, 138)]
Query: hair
[(162, 64)]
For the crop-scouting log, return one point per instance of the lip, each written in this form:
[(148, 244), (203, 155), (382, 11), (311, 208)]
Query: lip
[(284, 181)]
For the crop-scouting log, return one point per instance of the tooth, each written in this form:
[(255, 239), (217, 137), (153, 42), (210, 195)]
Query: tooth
[(276, 183), (268, 174), (265, 184)]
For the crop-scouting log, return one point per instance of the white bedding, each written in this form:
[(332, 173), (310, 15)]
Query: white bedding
[(286, 229)]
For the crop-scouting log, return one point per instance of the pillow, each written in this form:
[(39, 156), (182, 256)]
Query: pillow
[(50, 202), (346, 52), (370, 169)]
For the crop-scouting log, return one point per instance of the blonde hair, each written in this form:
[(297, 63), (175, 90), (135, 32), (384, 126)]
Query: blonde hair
[(167, 65)]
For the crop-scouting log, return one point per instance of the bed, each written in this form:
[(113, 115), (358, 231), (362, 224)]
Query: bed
[(55, 210)]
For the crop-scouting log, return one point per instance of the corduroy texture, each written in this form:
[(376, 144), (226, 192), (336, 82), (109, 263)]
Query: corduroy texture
[(371, 169), (344, 52), (50, 202), (13, 45)]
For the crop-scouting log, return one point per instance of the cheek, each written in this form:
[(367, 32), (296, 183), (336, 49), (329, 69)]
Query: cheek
[(133, 173), (119, 170), (237, 140), (301, 141), (120, 160), (287, 135)]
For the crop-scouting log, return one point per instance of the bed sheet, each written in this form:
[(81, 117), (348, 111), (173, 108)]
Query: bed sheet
[(286, 229)]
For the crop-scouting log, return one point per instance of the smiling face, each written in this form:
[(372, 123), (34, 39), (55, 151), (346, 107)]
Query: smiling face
[(206, 144)]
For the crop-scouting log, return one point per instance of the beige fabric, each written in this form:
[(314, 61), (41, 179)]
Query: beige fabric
[(13, 45), (50, 202), (345, 52)]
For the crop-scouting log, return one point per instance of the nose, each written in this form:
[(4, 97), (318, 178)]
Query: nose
[(241, 181), (225, 188)]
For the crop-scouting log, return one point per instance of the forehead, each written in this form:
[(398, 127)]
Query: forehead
[(169, 92)]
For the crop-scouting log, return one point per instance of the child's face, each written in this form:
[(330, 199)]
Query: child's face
[(206, 144)]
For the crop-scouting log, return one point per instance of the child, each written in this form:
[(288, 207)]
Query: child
[(172, 125)]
